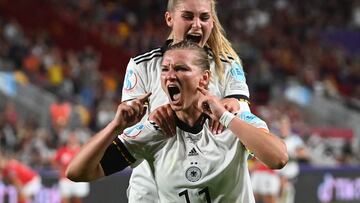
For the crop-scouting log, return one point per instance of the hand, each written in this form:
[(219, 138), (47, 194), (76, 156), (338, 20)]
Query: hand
[(163, 116), (210, 105), (230, 104), (129, 113)]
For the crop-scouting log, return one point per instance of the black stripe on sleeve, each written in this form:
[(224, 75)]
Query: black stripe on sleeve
[(116, 158), (241, 98)]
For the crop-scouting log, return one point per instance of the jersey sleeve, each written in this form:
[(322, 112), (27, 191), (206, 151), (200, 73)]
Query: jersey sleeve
[(129, 149), (134, 82), (235, 82), (142, 139), (252, 119)]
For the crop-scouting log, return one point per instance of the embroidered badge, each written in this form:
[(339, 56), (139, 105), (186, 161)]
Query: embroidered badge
[(237, 72), (193, 174), (130, 80), (134, 131)]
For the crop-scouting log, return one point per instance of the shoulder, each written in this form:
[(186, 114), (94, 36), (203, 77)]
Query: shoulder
[(141, 132), (228, 59), (148, 56)]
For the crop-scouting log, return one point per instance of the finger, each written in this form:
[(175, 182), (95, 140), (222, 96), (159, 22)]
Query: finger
[(163, 125), (205, 107), (143, 112), (136, 106), (144, 99), (166, 128), (203, 91), (158, 117), (170, 115), (129, 103), (139, 108), (215, 127), (211, 122), (129, 114), (220, 129), (231, 104), (229, 108)]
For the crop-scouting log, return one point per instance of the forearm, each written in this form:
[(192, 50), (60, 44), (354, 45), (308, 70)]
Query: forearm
[(86, 164), (267, 148)]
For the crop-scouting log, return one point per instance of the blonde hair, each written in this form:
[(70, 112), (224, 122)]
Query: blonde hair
[(202, 60), (218, 43)]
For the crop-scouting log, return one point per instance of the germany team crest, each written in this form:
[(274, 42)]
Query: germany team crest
[(193, 174)]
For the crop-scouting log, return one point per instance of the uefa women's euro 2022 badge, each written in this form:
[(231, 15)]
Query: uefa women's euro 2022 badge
[(130, 80), (237, 72), (134, 131), (237, 80)]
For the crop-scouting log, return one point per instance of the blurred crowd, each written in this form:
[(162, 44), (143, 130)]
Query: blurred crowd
[(280, 42)]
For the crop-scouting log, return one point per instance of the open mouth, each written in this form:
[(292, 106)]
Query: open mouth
[(196, 38), (174, 93)]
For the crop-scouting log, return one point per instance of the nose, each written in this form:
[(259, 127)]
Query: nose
[(196, 23)]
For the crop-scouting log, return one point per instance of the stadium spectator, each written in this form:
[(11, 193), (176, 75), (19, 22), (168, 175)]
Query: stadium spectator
[(213, 160), (265, 182), (9, 140), (60, 112), (70, 191), (297, 152), (26, 181)]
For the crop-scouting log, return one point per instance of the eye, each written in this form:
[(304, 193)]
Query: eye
[(187, 16), (181, 68), (164, 69), (205, 17)]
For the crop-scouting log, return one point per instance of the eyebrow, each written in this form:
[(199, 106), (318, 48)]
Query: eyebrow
[(175, 65), (190, 12)]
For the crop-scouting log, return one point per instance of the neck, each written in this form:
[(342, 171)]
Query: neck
[(189, 116)]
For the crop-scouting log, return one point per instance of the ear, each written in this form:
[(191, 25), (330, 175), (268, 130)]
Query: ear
[(168, 19), (205, 79)]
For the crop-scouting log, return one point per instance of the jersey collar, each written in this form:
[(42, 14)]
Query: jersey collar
[(194, 129)]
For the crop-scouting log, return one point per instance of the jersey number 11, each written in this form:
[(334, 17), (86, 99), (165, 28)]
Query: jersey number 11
[(205, 191)]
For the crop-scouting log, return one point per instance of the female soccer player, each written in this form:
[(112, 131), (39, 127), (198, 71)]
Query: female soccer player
[(194, 165), (194, 20)]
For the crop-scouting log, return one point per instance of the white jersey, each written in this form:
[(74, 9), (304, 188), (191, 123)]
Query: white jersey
[(194, 165), (142, 76)]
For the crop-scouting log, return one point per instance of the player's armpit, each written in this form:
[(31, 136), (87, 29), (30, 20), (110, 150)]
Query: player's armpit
[(116, 158)]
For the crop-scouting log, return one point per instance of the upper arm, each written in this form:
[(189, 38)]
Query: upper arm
[(116, 158), (235, 81), (142, 139)]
